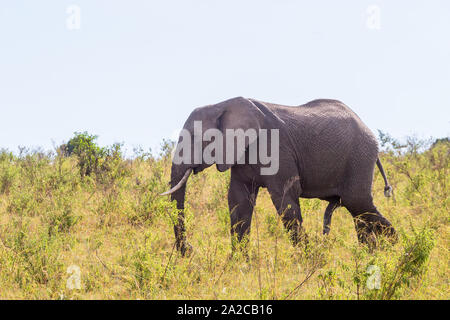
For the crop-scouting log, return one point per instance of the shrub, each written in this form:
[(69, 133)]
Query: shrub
[(412, 264), (88, 153), (7, 178)]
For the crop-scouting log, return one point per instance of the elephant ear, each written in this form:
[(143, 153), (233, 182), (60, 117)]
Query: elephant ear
[(239, 117)]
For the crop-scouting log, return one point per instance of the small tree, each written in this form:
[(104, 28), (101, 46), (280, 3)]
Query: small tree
[(84, 147)]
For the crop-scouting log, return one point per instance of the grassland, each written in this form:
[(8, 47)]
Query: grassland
[(110, 230)]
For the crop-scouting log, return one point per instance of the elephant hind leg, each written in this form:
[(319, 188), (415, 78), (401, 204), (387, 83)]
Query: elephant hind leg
[(333, 204), (369, 222)]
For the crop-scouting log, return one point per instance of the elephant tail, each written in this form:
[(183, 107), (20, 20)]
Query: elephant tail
[(387, 186)]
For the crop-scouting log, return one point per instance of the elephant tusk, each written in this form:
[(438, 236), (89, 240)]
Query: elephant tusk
[(180, 184)]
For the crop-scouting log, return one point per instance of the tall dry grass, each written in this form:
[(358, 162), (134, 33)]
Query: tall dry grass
[(114, 227)]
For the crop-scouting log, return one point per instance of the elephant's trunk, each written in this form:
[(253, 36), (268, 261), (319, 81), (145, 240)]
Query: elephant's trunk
[(179, 176), (180, 183)]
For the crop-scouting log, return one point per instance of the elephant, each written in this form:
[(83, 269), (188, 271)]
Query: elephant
[(325, 152)]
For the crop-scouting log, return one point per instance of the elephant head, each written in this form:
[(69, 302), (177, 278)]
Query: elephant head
[(225, 120)]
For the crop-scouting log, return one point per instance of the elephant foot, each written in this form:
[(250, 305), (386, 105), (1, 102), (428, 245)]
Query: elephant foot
[(298, 236), (243, 254), (242, 249), (185, 248), (372, 227)]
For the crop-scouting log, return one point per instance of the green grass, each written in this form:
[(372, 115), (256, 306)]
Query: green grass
[(119, 232)]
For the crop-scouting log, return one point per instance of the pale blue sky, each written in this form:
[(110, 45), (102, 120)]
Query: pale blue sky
[(136, 69)]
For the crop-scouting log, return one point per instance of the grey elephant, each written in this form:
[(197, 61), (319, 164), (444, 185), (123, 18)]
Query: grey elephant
[(325, 152)]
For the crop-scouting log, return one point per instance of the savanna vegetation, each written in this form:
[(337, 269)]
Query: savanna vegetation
[(84, 222)]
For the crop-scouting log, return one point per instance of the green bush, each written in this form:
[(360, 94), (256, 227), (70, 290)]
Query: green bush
[(7, 177), (84, 147), (103, 162)]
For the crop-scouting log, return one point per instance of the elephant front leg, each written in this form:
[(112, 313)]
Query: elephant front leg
[(288, 207), (241, 201)]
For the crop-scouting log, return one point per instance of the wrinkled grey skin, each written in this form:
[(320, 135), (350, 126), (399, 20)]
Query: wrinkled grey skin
[(326, 152)]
